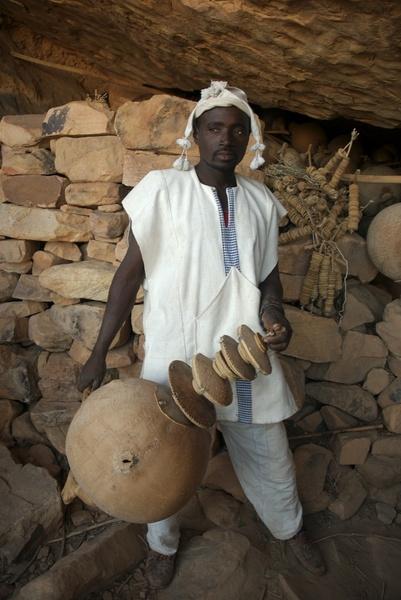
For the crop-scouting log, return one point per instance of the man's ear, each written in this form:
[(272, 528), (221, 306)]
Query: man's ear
[(195, 135)]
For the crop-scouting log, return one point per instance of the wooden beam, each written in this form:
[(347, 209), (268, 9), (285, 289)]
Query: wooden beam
[(77, 71), (352, 177)]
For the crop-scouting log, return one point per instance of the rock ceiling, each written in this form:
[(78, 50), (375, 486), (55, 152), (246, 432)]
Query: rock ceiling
[(322, 58)]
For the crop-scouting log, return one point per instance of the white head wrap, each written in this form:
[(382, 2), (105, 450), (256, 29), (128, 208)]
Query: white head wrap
[(220, 94)]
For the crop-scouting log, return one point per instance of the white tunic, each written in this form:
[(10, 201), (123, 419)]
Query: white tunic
[(190, 301)]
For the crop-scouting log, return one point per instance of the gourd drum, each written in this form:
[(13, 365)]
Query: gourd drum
[(134, 453), (384, 241)]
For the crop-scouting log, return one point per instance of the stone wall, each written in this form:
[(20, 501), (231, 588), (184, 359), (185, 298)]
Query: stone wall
[(63, 234)]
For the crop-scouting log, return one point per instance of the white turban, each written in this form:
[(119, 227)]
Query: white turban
[(220, 94)]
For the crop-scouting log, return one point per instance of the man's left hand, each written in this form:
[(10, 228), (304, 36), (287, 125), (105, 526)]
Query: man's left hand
[(278, 331)]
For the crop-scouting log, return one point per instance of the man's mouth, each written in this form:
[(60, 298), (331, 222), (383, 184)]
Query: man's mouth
[(225, 154)]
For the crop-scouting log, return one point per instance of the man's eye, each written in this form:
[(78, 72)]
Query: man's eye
[(240, 131)]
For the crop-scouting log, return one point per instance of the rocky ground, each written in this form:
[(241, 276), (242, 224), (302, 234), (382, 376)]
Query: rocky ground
[(225, 554)]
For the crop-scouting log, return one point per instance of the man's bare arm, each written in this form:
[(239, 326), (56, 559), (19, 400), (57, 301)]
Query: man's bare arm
[(271, 312), (121, 298)]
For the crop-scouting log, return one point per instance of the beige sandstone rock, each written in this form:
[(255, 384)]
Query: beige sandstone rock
[(17, 251), (311, 463), (30, 498), (79, 117), (153, 124), (390, 328), (20, 268), (27, 161), (24, 432), (40, 455), (314, 338), (29, 288), (58, 379), (133, 370), (122, 246), (137, 318), (47, 334), (53, 419), (101, 251), (17, 378), (139, 347), (99, 193), (34, 190), (351, 495), (392, 418), (356, 312), (25, 308), (295, 377), (220, 508), (88, 279), (351, 449), (376, 381), (137, 164), (42, 224), (337, 419), (89, 567), (394, 364), (8, 281), (294, 258), (311, 423), (381, 471), (220, 475), (82, 322), (9, 410), (90, 158), (117, 358), (65, 250), (44, 260), (13, 329), (21, 130), (235, 569), (352, 399), (387, 446), (354, 249), (76, 210), (292, 286), (109, 208), (108, 225), (360, 354)]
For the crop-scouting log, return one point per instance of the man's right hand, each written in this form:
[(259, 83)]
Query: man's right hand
[(92, 373)]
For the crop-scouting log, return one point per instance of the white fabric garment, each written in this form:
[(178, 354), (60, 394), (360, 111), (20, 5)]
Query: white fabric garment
[(189, 301), (264, 466)]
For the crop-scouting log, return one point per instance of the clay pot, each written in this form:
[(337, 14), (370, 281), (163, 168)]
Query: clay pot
[(136, 462), (304, 134), (374, 195), (384, 241)]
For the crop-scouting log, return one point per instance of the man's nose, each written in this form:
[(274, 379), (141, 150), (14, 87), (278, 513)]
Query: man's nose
[(226, 138)]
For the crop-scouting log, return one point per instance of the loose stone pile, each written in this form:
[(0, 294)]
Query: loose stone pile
[(63, 234)]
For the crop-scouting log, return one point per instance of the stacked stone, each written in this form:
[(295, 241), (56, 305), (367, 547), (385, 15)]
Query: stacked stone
[(63, 234), (351, 376)]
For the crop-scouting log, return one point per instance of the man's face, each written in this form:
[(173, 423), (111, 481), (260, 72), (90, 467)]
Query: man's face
[(222, 135)]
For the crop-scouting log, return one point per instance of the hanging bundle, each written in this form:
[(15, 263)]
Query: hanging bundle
[(353, 208), (310, 284)]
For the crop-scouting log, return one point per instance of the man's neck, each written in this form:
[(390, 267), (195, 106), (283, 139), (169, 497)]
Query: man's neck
[(214, 177)]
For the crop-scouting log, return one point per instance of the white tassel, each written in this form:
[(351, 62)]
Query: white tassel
[(182, 163), (215, 89), (183, 143), (257, 161)]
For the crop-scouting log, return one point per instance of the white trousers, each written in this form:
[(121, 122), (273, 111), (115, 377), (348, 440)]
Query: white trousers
[(264, 466)]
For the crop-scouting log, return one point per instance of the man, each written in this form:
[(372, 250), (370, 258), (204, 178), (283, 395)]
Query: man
[(204, 242)]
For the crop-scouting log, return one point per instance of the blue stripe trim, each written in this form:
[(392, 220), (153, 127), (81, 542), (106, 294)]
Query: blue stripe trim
[(231, 259)]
